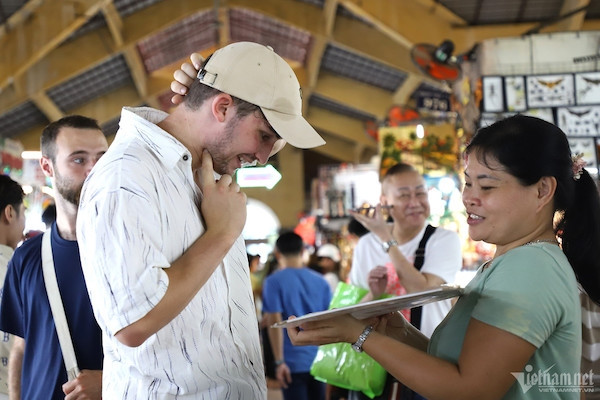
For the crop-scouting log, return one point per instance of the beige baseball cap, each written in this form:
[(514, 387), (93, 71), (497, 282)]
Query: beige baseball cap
[(256, 74)]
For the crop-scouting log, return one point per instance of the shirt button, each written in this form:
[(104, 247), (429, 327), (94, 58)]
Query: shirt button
[(185, 157)]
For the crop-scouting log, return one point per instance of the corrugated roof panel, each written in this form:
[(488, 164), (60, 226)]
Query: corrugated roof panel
[(178, 41), (354, 66), (492, 12), (333, 106), (593, 10), (541, 10), (128, 7), (466, 9), (318, 3), (9, 7), (95, 82), (287, 41), (124, 7), (96, 22), (21, 118)]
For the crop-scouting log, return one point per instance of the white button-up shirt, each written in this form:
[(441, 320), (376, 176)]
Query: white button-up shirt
[(139, 212)]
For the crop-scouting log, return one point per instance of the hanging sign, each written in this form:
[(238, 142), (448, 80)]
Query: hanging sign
[(266, 177)]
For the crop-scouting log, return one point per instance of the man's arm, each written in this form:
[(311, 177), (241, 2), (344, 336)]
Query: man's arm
[(282, 371), (15, 366), (224, 211), (412, 279)]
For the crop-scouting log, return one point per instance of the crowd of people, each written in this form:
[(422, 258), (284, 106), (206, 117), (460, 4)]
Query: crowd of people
[(159, 293)]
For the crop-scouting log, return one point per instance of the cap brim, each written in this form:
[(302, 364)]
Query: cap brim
[(294, 129)]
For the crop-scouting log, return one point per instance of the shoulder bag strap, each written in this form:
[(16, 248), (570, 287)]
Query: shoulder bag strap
[(420, 253), (416, 312), (58, 311)]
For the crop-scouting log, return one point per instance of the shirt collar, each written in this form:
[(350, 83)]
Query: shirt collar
[(142, 123)]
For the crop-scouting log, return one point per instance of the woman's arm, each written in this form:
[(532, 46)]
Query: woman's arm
[(483, 371), (397, 327)]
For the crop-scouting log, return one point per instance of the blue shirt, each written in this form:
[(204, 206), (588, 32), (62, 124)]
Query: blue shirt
[(25, 312), (296, 291)]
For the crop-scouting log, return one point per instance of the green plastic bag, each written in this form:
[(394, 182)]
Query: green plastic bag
[(339, 365)]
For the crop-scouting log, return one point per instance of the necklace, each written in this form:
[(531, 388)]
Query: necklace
[(553, 241)]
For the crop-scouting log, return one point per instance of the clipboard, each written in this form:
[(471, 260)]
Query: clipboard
[(378, 307)]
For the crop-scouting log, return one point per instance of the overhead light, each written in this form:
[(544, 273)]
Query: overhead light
[(420, 131)]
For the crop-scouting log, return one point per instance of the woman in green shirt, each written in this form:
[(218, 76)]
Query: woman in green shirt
[(516, 332)]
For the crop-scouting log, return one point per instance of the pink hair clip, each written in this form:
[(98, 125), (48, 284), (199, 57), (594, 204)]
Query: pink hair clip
[(578, 164)]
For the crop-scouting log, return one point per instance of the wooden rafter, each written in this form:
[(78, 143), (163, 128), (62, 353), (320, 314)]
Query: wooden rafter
[(46, 63), (46, 28)]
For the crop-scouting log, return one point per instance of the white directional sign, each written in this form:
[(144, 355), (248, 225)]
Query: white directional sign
[(266, 176)]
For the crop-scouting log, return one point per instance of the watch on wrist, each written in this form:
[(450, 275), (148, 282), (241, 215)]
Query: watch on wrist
[(357, 346), (388, 245), (279, 362)]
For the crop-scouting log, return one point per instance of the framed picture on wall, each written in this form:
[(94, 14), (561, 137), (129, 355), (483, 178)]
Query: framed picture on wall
[(597, 155), (493, 94), (587, 87), (550, 90), (514, 87), (579, 121), (543, 113), (587, 147), (488, 119)]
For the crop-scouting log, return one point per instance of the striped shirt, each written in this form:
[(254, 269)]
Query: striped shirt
[(139, 212), (590, 352)]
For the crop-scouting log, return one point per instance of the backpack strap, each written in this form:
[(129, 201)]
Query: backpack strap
[(58, 311), (416, 312)]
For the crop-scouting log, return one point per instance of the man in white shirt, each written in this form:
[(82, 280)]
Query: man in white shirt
[(160, 225), (385, 259), (404, 194), (12, 225)]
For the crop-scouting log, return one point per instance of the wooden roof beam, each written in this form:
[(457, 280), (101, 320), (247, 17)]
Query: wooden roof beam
[(574, 22), (47, 106), (20, 16), (222, 14), (114, 22), (319, 44), (340, 125), (82, 53), (49, 25), (338, 148), (137, 69), (357, 95)]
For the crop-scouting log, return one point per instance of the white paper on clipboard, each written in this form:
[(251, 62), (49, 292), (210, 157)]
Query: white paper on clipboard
[(378, 307)]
